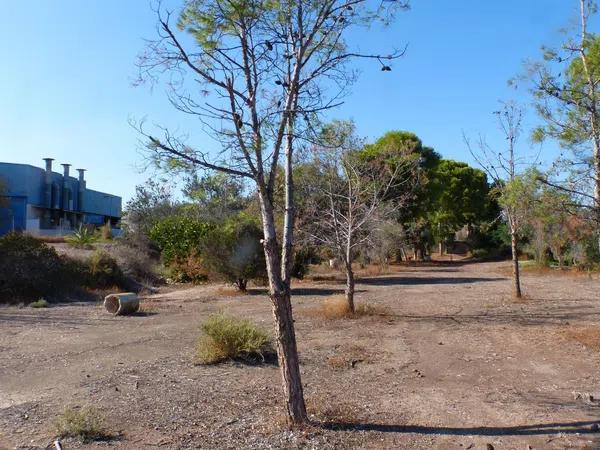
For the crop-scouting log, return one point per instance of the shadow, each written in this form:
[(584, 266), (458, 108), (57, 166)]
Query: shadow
[(521, 430), (140, 314), (415, 281), (305, 291)]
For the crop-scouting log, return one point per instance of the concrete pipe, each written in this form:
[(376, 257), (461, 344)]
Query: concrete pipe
[(122, 304)]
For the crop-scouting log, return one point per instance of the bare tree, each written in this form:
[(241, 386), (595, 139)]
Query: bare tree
[(503, 167), (256, 74), (353, 198)]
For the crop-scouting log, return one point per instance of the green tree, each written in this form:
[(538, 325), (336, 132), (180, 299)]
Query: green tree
[(233, 251), (402, 147), (262, 71), (179, 237), (458, 197), (567, 97), (215, 197), (152, 202)]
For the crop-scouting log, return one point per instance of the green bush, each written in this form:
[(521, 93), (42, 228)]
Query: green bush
[(234, 252), (29, 269), (179, 237), (229, 338), (103, 271), (86, 424), (41, 303)]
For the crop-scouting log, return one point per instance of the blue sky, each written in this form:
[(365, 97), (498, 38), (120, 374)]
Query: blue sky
[(68, 65)]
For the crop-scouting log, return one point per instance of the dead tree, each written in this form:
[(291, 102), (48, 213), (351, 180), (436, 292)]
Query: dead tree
[(503, 167), (256, 74), (354, 196)]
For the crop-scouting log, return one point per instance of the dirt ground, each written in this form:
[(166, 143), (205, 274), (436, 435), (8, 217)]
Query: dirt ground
[(456, 364)]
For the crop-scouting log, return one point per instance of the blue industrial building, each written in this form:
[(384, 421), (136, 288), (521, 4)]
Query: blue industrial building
[(43, 202)]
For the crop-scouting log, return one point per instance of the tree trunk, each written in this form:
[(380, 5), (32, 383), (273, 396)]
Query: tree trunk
[(350, 287), (515, 262), (285, 335), (441, 248)]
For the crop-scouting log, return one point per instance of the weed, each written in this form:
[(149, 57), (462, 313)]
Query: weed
[(86, 424), (41, 303), (229, 338), (84, 237), (336, 307)]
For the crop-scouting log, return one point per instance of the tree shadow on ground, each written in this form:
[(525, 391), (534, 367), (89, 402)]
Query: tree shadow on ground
[(305, 291), (415, 281), (582, 427)]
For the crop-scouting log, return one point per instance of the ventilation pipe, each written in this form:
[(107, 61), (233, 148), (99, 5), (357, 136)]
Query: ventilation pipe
[(48, 182), (47, 218), (65, 187), (81, 190)]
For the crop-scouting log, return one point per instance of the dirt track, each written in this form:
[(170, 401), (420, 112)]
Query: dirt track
[(456, 364)]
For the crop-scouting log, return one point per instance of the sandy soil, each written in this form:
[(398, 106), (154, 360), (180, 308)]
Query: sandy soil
[(455, 365)]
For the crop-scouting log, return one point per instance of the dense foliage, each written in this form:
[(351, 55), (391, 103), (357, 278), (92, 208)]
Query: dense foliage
[(179, 237)]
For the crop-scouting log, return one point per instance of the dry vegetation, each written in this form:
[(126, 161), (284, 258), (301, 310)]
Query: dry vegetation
[(226, 338), (455, 364), (336, 307), (85, 424)]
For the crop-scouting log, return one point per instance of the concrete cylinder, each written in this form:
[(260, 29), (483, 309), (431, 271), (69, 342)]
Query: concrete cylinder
[(122, 304)]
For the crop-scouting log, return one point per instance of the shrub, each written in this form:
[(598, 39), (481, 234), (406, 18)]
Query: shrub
[(29, 269), (229, 338), (41, 303), (86, 424), (106, 232), (179, 237), (234, 251), (136, 263), (103, 271), (188, 270), (84, 237), (336, 307)]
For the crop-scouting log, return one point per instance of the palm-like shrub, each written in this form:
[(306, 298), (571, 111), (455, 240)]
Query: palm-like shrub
[(84, 237)]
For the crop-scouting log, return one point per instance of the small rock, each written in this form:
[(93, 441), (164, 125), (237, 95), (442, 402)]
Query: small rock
[(489, 447)]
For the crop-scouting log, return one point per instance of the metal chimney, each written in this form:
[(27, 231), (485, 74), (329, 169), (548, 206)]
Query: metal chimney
[(65, 187), (66, 169), (48, 182), (81, 189)]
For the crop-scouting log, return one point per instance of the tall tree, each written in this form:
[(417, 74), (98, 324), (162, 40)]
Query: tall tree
[(353, 195), (458, 198), (395, 146), (262, 71), (566, 89), (502, 167)]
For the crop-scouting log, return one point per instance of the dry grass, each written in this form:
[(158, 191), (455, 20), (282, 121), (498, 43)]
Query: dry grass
[(229, 291), (229, 338), (348, 357), (86, 424), (327, 411), (336, 307), (588, 336)]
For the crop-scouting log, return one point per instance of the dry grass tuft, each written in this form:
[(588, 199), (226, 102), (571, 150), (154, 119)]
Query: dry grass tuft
[(229, 338), (336, 307), (330, 412), (86, 424), (588, 336), (348, 357)]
